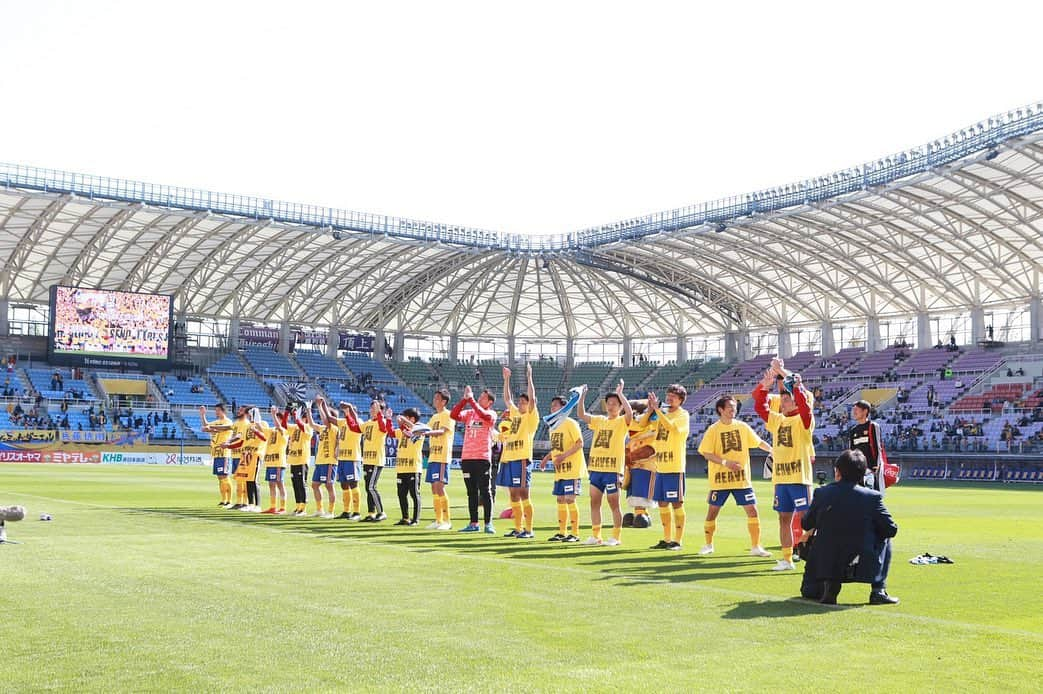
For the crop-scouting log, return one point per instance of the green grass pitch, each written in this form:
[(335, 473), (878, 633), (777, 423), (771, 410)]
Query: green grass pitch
[(140, 583)]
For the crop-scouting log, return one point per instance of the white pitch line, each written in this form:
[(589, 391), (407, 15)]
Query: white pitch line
[(882, 613)]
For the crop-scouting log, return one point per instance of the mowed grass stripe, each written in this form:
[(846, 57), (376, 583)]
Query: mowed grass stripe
[(158, 600)]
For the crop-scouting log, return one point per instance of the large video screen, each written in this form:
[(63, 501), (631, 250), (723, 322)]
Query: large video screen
[(99, 328)]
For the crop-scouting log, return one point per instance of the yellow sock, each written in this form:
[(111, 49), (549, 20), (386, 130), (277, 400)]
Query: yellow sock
[(595, 530), (282, 503), (709, 528), (679, 521), (563, 517), (346, 497), (226, 491), (329, 504), (617, 530), (445, 508), (516, 515), (528, 512), (355, 500), (754, 526), (668, 523), (787, 553), (574, 518), (318, 504)]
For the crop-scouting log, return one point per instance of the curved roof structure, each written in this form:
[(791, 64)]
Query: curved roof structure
[(950, 225)]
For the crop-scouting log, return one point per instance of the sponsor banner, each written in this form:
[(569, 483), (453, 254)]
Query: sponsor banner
[(50, 457), (28, 436), (71, 436), (132, 458)]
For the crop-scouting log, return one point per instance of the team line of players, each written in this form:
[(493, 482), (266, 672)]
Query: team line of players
[(637, 446)]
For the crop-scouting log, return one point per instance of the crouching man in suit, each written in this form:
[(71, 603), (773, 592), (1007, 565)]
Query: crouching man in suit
[(852, 540)]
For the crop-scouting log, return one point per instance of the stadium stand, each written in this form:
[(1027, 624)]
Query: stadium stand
[(318, 366), (55, 383), (267, 363), (241, 390), (188, 392)]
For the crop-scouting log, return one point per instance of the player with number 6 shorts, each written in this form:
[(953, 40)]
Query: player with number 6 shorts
[(726, 446)]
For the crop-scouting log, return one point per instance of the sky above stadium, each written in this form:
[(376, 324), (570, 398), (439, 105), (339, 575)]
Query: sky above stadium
[(532, 117)]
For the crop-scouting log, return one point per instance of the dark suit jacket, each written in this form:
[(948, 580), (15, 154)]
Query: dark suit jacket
[(850, 521)]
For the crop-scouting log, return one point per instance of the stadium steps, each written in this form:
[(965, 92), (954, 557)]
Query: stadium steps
[(647, 380), (157, 393), (95, 388), (28, 382), (188, 432)]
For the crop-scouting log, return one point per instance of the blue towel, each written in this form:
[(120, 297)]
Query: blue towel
[(553, 419)]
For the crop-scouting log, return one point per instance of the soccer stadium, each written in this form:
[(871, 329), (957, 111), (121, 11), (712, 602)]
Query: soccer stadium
[(249, 444)]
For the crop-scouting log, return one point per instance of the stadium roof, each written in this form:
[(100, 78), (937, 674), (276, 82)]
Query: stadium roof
[(941, 228)]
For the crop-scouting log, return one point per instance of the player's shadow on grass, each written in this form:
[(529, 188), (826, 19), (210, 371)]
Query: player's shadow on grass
[(792, 607), (633, 563)]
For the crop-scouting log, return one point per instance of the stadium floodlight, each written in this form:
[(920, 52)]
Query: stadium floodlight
[(720, 227), (992, 154)]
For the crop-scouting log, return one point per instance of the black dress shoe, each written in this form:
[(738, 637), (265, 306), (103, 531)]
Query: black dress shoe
[(882, 598), (830, 593)]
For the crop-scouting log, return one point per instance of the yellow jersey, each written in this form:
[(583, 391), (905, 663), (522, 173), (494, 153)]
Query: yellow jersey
[(349, 443), (609, 445), (792, 448), (407, 460), (258, 442), (217, 438), (733, 442), (275, 455), (239, 429), (326, 453), (563, 437), (517, 444), (298, 447), (440, 448), (253, 450), (775, 405), (373, 449), (670, 440)]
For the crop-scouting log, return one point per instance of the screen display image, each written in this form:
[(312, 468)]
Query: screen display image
[(98, 327)]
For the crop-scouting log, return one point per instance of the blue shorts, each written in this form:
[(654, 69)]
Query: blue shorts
[(642, 483), (791, 498), (273, 474), (324, 473), (669, 486), (437, 472), (510, 474), (743, 497), (606, 482), (566, 488), (235, 464), (347, 471), (220, 466)]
